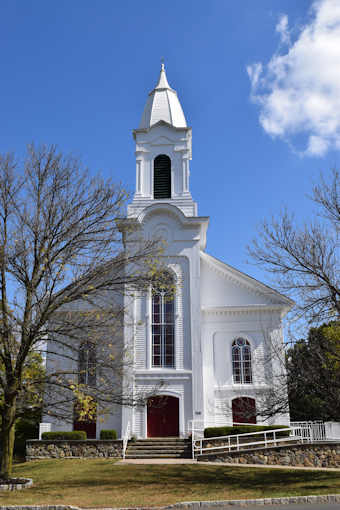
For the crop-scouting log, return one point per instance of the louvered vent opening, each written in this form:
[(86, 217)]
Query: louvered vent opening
[(162, 177)]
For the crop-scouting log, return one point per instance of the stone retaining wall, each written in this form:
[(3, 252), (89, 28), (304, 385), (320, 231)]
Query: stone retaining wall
[(305, 455), (58, 449)]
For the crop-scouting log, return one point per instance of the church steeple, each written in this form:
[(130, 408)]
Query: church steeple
[(163, 153), (163, 104)]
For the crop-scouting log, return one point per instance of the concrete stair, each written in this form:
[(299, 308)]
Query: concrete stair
[(159, 448)]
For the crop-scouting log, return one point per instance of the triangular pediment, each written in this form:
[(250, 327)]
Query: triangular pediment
[(162, 140), (224, 286)]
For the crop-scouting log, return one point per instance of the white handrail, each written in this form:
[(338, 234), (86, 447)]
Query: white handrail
[(298, 431), (126, 438), (235, 441)]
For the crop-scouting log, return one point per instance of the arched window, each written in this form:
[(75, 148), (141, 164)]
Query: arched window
[(163, 321), (87, 364), (162, 177), (241, 359)]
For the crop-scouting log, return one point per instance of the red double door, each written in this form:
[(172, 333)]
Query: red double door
[(163, 416), (244, 410)]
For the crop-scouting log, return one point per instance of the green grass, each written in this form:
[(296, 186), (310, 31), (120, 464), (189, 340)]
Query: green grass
[(103, 483)]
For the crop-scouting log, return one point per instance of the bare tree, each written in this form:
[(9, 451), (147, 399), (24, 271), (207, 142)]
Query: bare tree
[(63, 275), (305, 260)]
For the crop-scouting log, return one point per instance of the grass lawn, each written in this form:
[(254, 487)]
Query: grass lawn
[(103, 483)]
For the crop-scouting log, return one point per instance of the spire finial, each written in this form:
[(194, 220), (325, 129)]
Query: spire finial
[(162, 82)]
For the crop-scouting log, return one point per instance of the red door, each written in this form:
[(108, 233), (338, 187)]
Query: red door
[(89, 427), (244, 410), (163, 416)]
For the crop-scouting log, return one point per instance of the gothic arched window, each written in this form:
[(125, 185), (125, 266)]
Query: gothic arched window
[(162, 177), (87, 364), (241, 359), (163, 322)]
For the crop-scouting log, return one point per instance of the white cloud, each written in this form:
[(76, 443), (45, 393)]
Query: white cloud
[(298, 91), (282, 29)]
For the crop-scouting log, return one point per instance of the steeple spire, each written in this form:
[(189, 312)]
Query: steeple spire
[(163, 81), (163, 104)]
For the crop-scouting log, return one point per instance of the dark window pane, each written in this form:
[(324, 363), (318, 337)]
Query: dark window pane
[(169, 361), (156, 329), (156, 361)]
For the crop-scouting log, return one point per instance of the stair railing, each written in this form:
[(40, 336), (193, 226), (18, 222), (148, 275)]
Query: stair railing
[(126, 438), (196, 429)]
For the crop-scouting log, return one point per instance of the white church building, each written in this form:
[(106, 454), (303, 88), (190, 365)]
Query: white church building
[(209, 344)]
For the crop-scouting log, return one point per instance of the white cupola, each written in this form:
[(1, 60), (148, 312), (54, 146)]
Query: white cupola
[(163, 104), (163, 153)]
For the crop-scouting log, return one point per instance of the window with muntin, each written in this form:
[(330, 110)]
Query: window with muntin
[(163, 322), (241, 360)]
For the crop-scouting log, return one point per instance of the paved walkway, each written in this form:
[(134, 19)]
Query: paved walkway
[(191, 461)]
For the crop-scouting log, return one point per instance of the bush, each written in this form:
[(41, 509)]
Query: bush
[(25, 428), (242, 429), (108, 434), (62, 435)]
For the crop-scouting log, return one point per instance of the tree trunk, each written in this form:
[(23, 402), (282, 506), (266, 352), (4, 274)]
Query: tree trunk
[(7, 440)]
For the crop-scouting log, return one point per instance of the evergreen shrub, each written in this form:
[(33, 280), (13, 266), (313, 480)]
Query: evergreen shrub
[(108, 434), (26, 427), (242, 429), (64, 435)]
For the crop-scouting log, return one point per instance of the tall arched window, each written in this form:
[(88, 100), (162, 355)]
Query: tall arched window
[(163, 322), (162, 177), (241, 359), (87, 364)]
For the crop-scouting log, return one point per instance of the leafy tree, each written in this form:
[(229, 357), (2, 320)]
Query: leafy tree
[(63, 276), (313, 368)]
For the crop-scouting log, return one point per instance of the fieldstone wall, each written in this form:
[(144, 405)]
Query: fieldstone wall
[(304, 455), (36, 449)]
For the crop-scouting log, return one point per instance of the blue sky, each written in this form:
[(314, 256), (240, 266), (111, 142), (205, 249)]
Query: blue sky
[(252, 77)]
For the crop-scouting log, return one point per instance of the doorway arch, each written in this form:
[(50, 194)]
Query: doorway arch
[(163, 416)]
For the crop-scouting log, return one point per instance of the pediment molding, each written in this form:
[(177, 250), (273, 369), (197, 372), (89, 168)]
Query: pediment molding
[(246, 282), (241, 310), (162, 140)]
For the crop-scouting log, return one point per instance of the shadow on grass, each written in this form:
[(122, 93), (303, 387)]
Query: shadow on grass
[(105, 474)]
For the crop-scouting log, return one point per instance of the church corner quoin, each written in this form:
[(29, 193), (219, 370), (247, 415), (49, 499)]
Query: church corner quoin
[(205, 341)]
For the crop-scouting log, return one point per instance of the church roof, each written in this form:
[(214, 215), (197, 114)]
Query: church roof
[(163, 104)]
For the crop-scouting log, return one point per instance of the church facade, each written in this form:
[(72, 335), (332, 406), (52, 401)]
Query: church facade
[(207, 344)]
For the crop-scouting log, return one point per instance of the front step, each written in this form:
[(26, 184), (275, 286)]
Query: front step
[(162, 448)]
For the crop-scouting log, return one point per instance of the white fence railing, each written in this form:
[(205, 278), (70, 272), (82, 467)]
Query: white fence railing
[(297, 432), (44, 427), (311, 430), (126, 438)]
